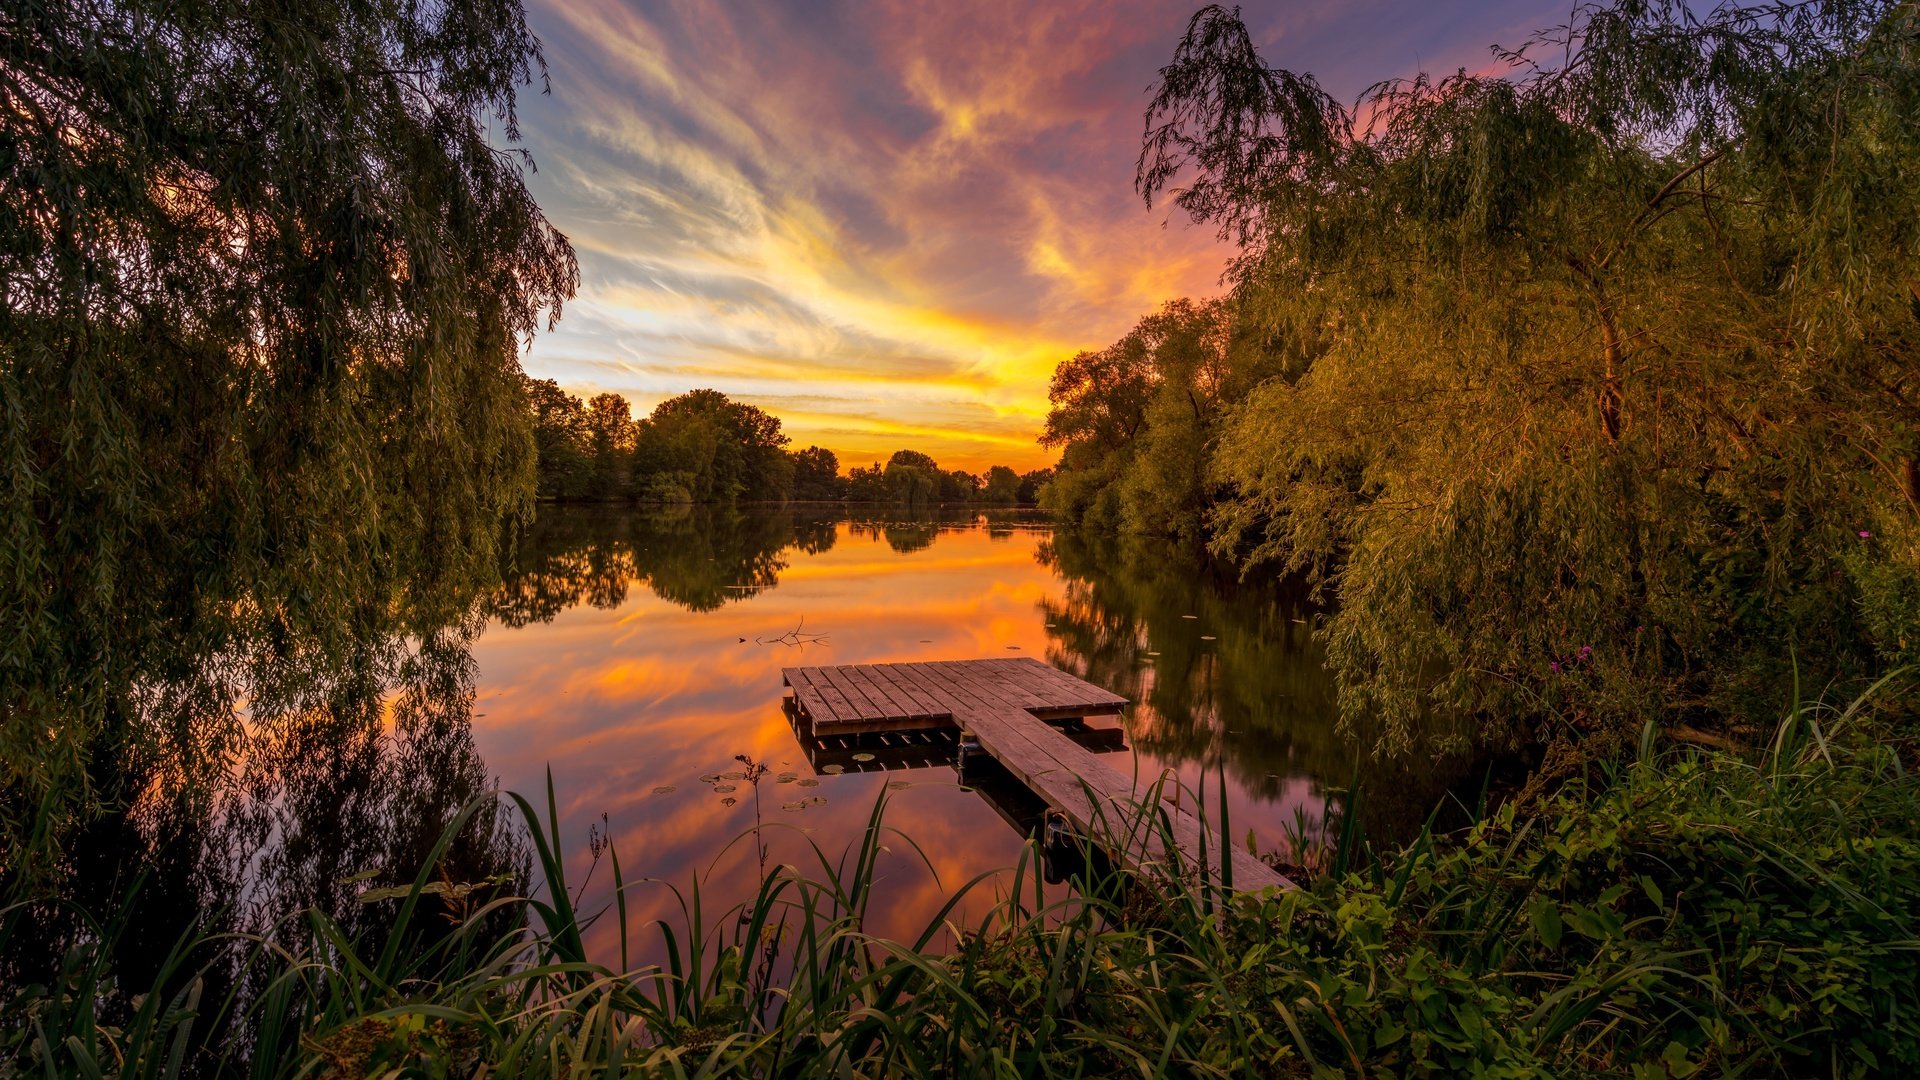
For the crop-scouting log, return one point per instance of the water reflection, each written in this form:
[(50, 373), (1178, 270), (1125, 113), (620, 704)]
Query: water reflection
[(636, 654), (1224, 674), (350, 767)]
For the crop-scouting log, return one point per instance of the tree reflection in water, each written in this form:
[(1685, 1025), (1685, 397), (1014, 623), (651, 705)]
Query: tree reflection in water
[(1225, 674), (353, 758), (348, 769), (699, 557)]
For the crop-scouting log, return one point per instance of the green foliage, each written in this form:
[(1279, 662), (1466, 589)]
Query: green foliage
[(1136, 421), (263, 278), (867, 484), (1585, 386), (699, 447), (747, 459), (565, 469), (1002, 486), (1031, 483), (1693, 914), (816, 475)]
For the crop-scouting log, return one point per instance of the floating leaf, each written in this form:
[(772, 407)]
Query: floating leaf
[(722, 789), (863, 757), (832, 770), (808, 782), (728, 801), (793, 807), (786, 778), (734, 775), (900, 785), (664, 789), (710, 778), (814, 800)]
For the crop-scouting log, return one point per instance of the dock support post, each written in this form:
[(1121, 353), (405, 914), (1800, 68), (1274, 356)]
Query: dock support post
[(969, 750)]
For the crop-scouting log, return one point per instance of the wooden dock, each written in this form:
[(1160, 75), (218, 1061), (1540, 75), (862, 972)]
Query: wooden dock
[(1006, 705)]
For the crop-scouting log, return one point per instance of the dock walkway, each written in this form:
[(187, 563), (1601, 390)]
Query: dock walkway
[(1005, 705)]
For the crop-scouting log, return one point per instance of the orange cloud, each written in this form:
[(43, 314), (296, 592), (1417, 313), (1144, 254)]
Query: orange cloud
[(891, 209)]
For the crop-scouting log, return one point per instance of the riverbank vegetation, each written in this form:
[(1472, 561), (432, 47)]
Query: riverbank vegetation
[(1582, 391), (703, 447), (1584, 386), (1683, 912), (263, 285)]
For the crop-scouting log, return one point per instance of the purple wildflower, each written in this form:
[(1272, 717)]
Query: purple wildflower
[(1864, 534)]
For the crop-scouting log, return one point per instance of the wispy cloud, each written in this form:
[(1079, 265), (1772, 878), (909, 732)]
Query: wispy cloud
[(886, 222)]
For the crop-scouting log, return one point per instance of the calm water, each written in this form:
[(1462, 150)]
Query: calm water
[(638, 654), (633, 654)]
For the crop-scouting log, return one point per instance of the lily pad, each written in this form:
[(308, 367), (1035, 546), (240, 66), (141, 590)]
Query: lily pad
[(832, 770), (722, 789), (735, 775), (664, 789), (786, 778), (793, 807), (863, 757), (806, 782), (709, 778), (728, 801)]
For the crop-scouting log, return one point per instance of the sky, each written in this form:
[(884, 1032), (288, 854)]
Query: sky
[(886, 222)]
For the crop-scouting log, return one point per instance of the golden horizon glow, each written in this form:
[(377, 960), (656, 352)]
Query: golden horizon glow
[(885, 223)]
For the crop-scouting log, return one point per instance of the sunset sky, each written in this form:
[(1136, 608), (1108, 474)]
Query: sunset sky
[(887, 222)]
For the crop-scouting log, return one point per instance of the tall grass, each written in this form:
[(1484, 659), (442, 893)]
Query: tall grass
[(1683, 912)]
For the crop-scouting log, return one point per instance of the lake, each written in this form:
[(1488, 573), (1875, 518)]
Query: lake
[(634, 655), (645, 654)]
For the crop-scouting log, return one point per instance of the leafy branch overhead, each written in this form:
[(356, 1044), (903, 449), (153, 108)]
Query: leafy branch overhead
[(1608, 346)]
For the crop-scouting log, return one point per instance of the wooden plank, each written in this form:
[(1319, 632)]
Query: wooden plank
[(1009, 687), (1051, 682), (982, 683), (997, 700), (863, 707), (1098, 799), (900, 681), (838, 707), (1065, 696), (930, 686), (812, 704), (876, 682), (809, 699), (882, 724)]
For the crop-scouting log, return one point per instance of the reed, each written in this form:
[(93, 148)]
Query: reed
[(1682, 912)]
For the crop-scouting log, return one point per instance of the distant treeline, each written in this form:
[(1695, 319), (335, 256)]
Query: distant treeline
[(704, 447)]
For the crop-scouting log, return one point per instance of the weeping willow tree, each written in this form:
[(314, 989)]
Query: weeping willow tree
[(264, 273), (1598, 392)]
